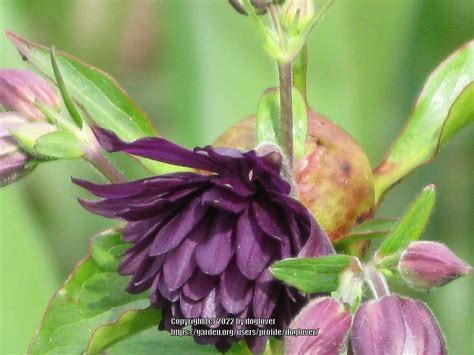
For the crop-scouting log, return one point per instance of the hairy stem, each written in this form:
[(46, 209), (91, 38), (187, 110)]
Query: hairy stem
[(377, 283), (286, 110), (104, 167)]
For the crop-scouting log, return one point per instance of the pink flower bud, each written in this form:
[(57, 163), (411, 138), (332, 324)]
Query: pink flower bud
[(331, 323), (396, 325), (12, 160), (21, 90), (15, 163), (429, 264)]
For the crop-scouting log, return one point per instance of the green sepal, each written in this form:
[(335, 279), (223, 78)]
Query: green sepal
[(411, 225), (60, 145), (371, 229), (312, 275), (27, 134), (68, 101)]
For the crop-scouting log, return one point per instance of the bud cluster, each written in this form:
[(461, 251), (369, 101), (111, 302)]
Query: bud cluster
[(22, 92), (388, 324)]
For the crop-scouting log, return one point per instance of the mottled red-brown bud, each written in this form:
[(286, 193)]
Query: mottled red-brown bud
[(334, 178)]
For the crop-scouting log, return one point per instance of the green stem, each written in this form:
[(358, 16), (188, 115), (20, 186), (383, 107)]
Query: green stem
[(104, 167), (377, 283), (286, 110)]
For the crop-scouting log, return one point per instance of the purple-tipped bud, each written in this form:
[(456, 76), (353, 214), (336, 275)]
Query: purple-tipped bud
[(13, 162), (298, 13), (22, 90), (331, 323), (259, 5), (396, 325), (425, 265)]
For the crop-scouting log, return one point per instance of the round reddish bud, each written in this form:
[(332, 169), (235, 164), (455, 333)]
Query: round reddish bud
[(334, 178)]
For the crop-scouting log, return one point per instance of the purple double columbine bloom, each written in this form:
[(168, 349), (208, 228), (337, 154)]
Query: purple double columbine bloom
[(203, 242)]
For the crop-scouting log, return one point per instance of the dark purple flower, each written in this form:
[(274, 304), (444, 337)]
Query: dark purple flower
[(203, 242), (425, 265), (396, 325), (331, 323)]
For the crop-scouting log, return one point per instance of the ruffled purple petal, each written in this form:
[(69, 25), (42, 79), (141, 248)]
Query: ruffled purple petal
[(235, 290), (122, 190), (265, 295), (165, 290), (214, 253), (153, 148), (173, 233), (144, 276), (190, 308), (254, 251), (180, 263), (224, 200), (199, 286), (267, 219), (212, 306), (318, 243)]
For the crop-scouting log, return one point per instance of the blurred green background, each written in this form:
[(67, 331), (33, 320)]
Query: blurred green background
[(196, 67)]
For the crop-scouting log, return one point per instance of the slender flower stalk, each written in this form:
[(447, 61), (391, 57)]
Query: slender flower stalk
[(376, 281), (101, 163), (286, 109)]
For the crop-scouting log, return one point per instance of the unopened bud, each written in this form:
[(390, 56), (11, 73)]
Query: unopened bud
[(297, 13), (259, 5), (331, 323), (22, 90), (396, 325), (15, 162), (424, 265)]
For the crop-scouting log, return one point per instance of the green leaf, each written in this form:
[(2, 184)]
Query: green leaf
[(130, 323), (412, 223), (371, 229), (459, 116), (59, 144), (444, 107), (151, 342), (268, 120), (93, 295), (312, 275), (101, 96)]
